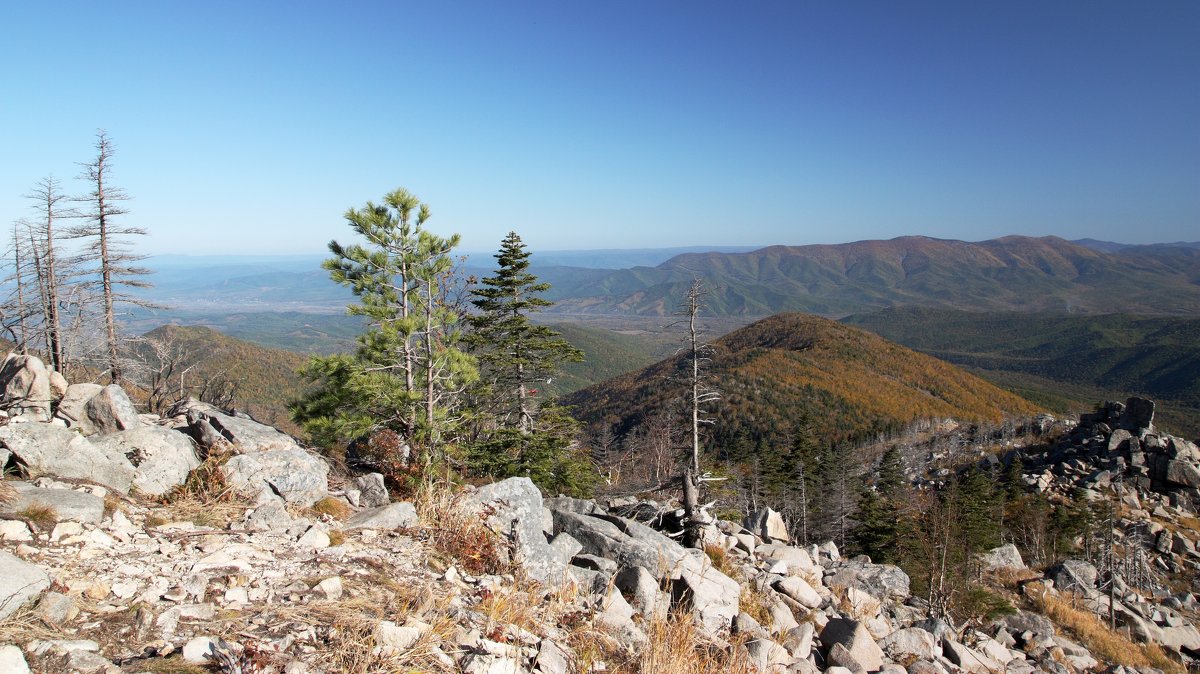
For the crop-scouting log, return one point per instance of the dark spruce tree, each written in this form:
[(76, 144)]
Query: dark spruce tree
[(517, 358)]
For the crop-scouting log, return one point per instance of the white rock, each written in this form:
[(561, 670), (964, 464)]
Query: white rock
[(12, 661), (331, 587), (14, 530), (196, 650)]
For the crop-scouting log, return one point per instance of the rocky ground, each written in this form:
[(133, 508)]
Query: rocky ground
[(207, 542)]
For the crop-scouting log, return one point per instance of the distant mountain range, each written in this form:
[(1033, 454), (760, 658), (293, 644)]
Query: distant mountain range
[(849, 383), (1012, 273)]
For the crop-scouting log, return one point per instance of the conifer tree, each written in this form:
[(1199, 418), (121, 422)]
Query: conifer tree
[(515, 355), (408, 373)]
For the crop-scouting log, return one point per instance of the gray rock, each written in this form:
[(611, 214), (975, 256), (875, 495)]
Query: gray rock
[(910, 642), (643, 591), (292, 474), (372, 491), (768, 525), (882, 581), (1003, 557), (798, 640), (1139, 414), (564, 547), (553, 659), (20, 583), (857, 641), (840, 656), (270, 516), (162, 457), (46, 449), (603, 537), (244, 433), (73, 406), (1119, 440), (12, 661), (1183, 473), (397, 515), (1073, 574), (56, 609), (798, 589), (969, 659), (110, 411), (514, 511), (766, 654), (712, 595), (25, 386), (68, 505)]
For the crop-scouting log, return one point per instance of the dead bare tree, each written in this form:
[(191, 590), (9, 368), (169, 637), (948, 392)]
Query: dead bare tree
[(54, 269), (115, 269), (17, 312), (701, 393)]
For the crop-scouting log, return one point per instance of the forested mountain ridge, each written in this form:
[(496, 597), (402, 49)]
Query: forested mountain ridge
[(1010, 273), (845, 382), (1119, 354)]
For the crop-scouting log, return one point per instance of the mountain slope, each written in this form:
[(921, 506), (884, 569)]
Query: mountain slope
[(265, 378), (607, 354), (1011, 273), (1119, 354), (849, 382)]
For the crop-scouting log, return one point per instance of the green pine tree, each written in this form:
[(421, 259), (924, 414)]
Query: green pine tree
[(408, 369)]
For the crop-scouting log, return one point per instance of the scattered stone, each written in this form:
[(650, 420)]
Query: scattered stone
[(397, 515), (1003, 557), (111, 411)]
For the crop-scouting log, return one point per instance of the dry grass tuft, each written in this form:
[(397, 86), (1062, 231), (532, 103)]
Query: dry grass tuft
[(205, 498), (24, 626), (171, 665), (677, 647), (7, 493), (42, 516), (457, 531), (722, 561), (1105, 644), (334, 507), (1012, 578)]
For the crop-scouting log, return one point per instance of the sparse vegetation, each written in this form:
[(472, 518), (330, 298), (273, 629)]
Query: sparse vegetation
[(333, 507), (40, 515), (1105, 644)]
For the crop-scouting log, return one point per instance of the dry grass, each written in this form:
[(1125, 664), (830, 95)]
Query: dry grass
[(1012, 578), (171, 665), (334, 507), (456, 531), (336, 536), (7, 493), (1105, 644), (24, 626), (205, 498), (722, 561), (42, 516), (677, 647)]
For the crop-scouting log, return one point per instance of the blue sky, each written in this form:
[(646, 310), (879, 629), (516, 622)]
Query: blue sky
[(251, 127)]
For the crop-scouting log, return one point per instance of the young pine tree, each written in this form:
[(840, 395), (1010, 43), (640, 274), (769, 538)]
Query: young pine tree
[(408, 372)]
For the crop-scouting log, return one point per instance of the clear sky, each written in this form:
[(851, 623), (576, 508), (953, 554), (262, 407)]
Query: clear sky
[(252, 126)]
